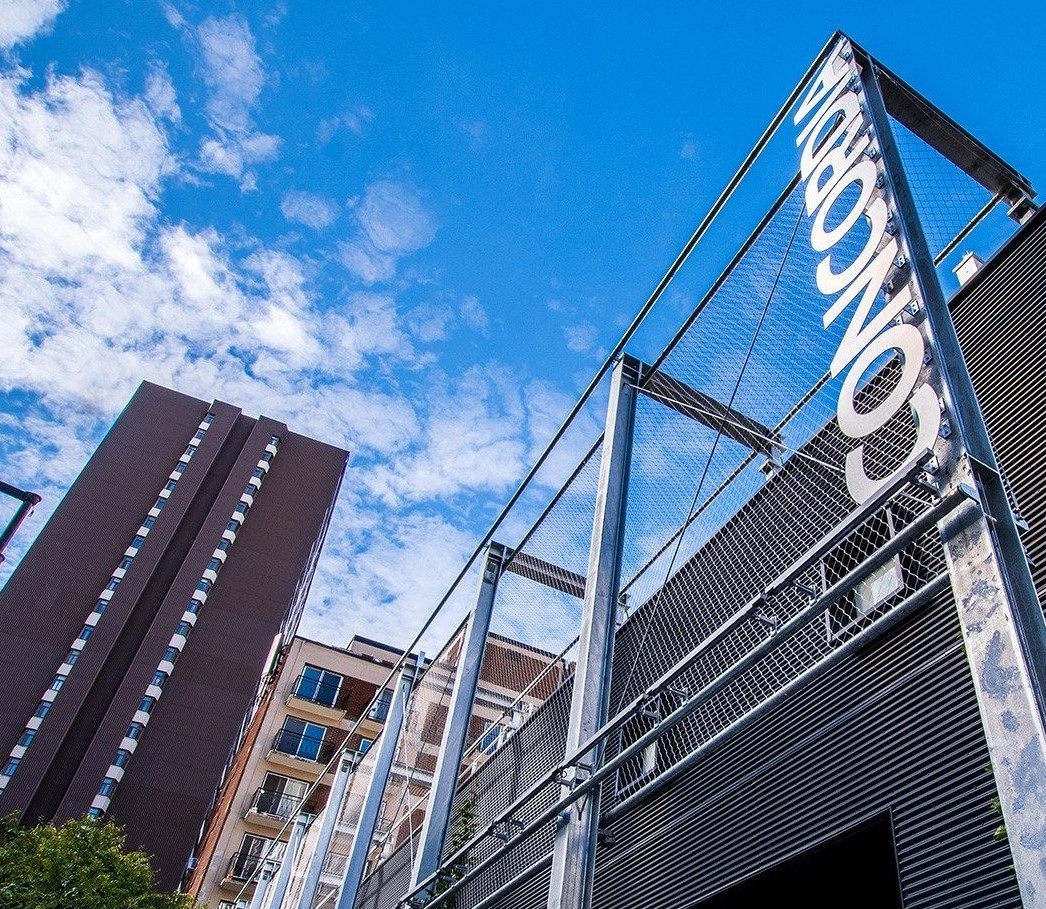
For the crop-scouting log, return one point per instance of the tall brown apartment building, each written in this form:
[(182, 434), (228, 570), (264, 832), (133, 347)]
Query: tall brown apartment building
[(134, 631)]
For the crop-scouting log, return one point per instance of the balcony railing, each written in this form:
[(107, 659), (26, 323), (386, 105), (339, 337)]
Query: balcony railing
[(327, 694), (243, 865), (275, 804), (303, 746)]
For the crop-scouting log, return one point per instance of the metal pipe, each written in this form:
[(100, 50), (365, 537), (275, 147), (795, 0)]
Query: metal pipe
[(29, 501)]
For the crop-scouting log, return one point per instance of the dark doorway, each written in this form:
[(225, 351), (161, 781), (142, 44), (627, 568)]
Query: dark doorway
[(856, 869)]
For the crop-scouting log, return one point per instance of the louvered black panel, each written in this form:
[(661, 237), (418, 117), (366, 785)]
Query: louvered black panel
[(999, 319)]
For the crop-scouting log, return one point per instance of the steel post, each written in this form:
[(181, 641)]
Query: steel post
[(455, 732), (323, 839), (356, 862), (268, 868), (283, 879), (1001, 619), (577, 827)]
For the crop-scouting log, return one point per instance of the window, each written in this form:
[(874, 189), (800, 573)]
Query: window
[(179, 468), (11, 766), (160, 502), (43, 709), (95, 812), (274, 440), (204, 585), (241, 508), (148, 522), (159, 678), (170, 655), (319, 686), (214, 565), (27, 737), (122, 757), (380, 710), (126, 562), (72, 656), (86, 632), (184, 628), (223, 545), (279, 796), (100, 606), (135, 730), (208, 419), (300, 739), (107, 787), (113, 584), (147, 704), (233, 526), (136, 543), (250, 489), (189, 452), (488, 744), (365, 745), (258, 472), (266, 456), (59, 681), (170, 484), (193, 606)]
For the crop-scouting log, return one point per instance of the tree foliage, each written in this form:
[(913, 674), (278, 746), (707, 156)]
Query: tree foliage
[(81, 864)]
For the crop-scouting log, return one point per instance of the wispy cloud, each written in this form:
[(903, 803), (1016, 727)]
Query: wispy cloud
[(309, 209), (23, 19), (234, 76), (392, 221), (582, 337), (354, 120)]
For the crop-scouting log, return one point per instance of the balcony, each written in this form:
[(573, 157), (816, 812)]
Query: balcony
[(320, 696), (301, 751), (272, 809), (242, 867)]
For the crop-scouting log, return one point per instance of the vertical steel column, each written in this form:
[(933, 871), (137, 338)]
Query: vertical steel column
[(455, 732), (574, 855), (1002, 622), (264, 877), (323, 840), (356, 862), (279, 890)]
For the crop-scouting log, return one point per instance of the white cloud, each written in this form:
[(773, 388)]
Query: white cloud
[(582, 337), (24, 19), (689, 150), (474, 315), (430, 322), (392, 222), (309, 209), (234, 76), (355, 120)]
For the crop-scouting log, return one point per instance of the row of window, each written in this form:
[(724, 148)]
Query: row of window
[(99, 607), (177, 643)]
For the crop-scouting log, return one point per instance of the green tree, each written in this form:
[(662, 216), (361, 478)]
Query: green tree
[(81, 864)]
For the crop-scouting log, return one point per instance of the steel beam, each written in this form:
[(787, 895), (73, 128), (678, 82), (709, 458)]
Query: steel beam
[(577, 827), (268, 869), (705, 409), (455, 731), (1001, 619), (356, 863), (542, 572), (323, 840)]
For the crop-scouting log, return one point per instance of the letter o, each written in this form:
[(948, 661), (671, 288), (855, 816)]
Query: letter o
[(863, 172), (903, 338)]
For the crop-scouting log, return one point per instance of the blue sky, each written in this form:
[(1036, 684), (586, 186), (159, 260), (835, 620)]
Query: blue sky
[(408, 229)]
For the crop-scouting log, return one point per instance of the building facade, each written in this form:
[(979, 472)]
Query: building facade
[(135, 629), (318, 696)]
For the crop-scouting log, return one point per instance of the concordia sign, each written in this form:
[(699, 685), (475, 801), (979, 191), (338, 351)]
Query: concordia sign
[(838, 153)]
